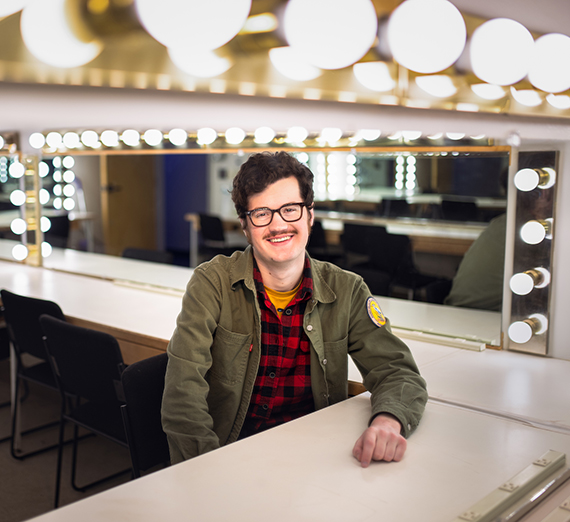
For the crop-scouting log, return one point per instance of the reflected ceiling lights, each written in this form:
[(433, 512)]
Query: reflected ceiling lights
[(426, 36), (203, 64), (438, 85), (292, 64), (321, 42), (374, 76)]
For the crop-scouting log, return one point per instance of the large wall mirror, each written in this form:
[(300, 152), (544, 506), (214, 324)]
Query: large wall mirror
[(402, 217)]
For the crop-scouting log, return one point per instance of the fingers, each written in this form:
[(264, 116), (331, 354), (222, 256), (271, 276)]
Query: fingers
[(379, 445)]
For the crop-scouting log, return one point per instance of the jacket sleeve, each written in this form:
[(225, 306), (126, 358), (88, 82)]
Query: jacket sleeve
[(386, 364), (185, 417)]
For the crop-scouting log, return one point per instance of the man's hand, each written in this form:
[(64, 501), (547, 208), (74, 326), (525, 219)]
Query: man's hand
[(381, 441)]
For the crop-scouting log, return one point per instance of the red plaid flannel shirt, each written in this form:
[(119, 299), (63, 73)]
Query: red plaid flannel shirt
[(282, 389)]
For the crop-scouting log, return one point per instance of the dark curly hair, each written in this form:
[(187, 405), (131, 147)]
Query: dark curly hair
[(263, 169)]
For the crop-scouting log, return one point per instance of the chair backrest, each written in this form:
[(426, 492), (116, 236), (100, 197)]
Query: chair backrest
[(358, 238), (143, 384), (58, 233), (143, 254), (392, 253), (211, 228), (22, 320), (87, 363), (318, 238)]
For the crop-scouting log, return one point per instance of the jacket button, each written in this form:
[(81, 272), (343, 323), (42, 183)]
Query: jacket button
[(310, 328), (324, 361)]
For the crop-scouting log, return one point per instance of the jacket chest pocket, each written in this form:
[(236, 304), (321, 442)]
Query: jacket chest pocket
[(230, 353), (336, 356)]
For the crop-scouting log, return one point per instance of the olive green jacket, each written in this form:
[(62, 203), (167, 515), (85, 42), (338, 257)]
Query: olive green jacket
[(215, 351)]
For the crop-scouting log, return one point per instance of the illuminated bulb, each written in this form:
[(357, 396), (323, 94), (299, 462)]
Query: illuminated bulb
[(20, 252), (68, 204), (549, 69), (488, 91), (57, 176), (68, 191), (411, 160), (16, 169), (439, 85), (303, 157), (263, 135), (131, 137), (320, 43), (499, 51), (18, 226), (89, 138), (411, 135), (68, 162), (177, 137), (292, 64), (235, 135), (69, 176), (43, 169), (455, 135), (71, 140), (203, 64), (45, 224), (351, 159), (561, 101), (152, 137), (523, 282), (526, 97), (57, 190), (331, 134), (193, 24), (110, 138), (533, 232), (18, 198), (395, 136), (54, 140), (261, 23), (56, 162), (44, 196), (37, 140), (46, 249), (369, 134), (46, 31), (297, 134), (2, 142), (374, 76), (57, 203), (206, 136), (425, 36), (528, 179), (435, 136), (522, 331)]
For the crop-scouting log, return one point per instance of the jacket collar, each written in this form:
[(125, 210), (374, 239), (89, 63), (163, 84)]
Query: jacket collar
[(242, 270)]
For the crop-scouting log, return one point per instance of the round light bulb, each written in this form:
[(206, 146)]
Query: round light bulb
[(89, 138), (533, 232), (370, 134), (48, 35), (206, 136), (2, 142), (526, 180), (297, 134), (110, 138), (57, 190), (549, 69), (499, 51), (292, 64), (131, 138), (54, 140), (56, 162), (411, 135), (57, 176), (263, 135), (69, 176), (521, 284), (177, 137), (193, 24), (203, 64), (526, 97), (68, 162), (69, 191), (488, 91), (520, 332), (71, 140), (37, 140), (68, 204), (45, 224), (44, 196), (235, 135), (561, 101), (438, 86), (152, 137), (426, 36), (320, 43), (16, 170), (374, 76), (20, 252), (18, 197), (43, 169), (18, 226), (57, 203), (46, 249), (331, 134)]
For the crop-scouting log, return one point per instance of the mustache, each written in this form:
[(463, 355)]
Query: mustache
[(276, 234)]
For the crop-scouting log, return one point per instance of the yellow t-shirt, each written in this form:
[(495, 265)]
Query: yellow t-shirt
[(280, 300)]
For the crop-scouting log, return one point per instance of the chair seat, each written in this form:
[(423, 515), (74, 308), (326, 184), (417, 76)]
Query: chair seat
[(102, 418), (40, 373)]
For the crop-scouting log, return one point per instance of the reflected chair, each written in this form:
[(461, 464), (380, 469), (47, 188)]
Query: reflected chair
[(58, 233), (22, 322), (319, 248), (88, 365), (213, 236), (452, 210), (143, 384), (4, 355), (143, 254)]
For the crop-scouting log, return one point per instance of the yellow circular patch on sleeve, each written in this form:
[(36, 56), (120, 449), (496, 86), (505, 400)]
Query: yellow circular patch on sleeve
[(374, 312)]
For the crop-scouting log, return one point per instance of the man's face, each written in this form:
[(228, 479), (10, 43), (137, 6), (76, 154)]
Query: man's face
[(279, 243)]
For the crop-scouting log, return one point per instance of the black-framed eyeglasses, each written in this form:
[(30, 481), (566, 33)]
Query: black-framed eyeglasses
[(290, 212)]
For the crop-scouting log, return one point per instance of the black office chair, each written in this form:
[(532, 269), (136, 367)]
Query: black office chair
[(58, 233), (88, 365), (144, 254), (22, 321), (452, 210), (319, 248), (213, 237), (4, 355), (143, 384)]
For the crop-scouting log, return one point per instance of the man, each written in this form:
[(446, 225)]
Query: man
[(263, 335)]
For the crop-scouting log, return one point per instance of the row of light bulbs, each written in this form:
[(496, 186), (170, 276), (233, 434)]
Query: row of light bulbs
[(532, 232), (295, 136)]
